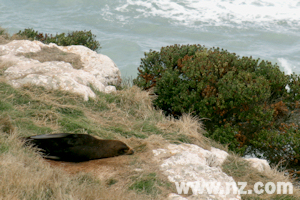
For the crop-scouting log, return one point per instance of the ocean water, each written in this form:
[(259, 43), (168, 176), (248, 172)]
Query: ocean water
[(266, 29)]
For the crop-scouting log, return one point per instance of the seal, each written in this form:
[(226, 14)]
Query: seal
[(77, 147)]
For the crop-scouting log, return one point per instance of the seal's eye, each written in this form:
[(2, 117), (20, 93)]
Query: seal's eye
[(122, 151)]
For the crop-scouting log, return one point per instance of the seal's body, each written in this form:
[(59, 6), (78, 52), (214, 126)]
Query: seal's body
[(77, 147)]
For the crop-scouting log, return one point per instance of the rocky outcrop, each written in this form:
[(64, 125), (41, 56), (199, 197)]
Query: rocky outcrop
[(259, 164), (97, 70), (190, 163)]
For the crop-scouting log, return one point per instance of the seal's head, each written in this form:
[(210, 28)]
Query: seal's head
[(115, 148)]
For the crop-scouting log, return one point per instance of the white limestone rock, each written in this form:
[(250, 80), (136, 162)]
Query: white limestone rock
[(174, 196), (260, 164), (220, 156), (99, 65), (21, 46), (98, 70), (109, 89), (191, 163)]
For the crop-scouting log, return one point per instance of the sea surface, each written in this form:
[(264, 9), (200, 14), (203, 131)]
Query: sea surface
[(266, 29)]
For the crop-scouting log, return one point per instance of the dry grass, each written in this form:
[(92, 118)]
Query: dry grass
[(5, 125), (4, 66), (6, 38), (3, 40), (127, 115), (133, 177), (54, 54), (25, 175), (187, 125), (241, 171)]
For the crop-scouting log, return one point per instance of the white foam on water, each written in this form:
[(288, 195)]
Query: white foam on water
[(288, 68), (269, 29), (218, 12)]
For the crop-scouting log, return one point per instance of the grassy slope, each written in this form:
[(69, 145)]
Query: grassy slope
[(126, 115)]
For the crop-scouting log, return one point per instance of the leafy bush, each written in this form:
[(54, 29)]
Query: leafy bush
[(3, 32), (85, 38), (243, 102), (4, 36)]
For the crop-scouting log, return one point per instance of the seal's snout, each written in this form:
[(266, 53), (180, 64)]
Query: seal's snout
[(130, 152)]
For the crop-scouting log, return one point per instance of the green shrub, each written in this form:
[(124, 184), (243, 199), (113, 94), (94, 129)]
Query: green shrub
[(243, 102), (4, 33), (85, 38)]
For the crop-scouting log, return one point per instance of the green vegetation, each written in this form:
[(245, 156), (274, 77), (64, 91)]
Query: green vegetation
[(127, 115), (147, 184), (3, 33), (244, 102), (85, 38)]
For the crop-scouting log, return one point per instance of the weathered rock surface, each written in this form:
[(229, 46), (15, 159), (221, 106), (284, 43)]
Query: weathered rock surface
[(191, 163), (260, 164), (98, 70)]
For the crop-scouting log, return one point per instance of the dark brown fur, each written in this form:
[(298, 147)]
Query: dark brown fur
[(77, 147)]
